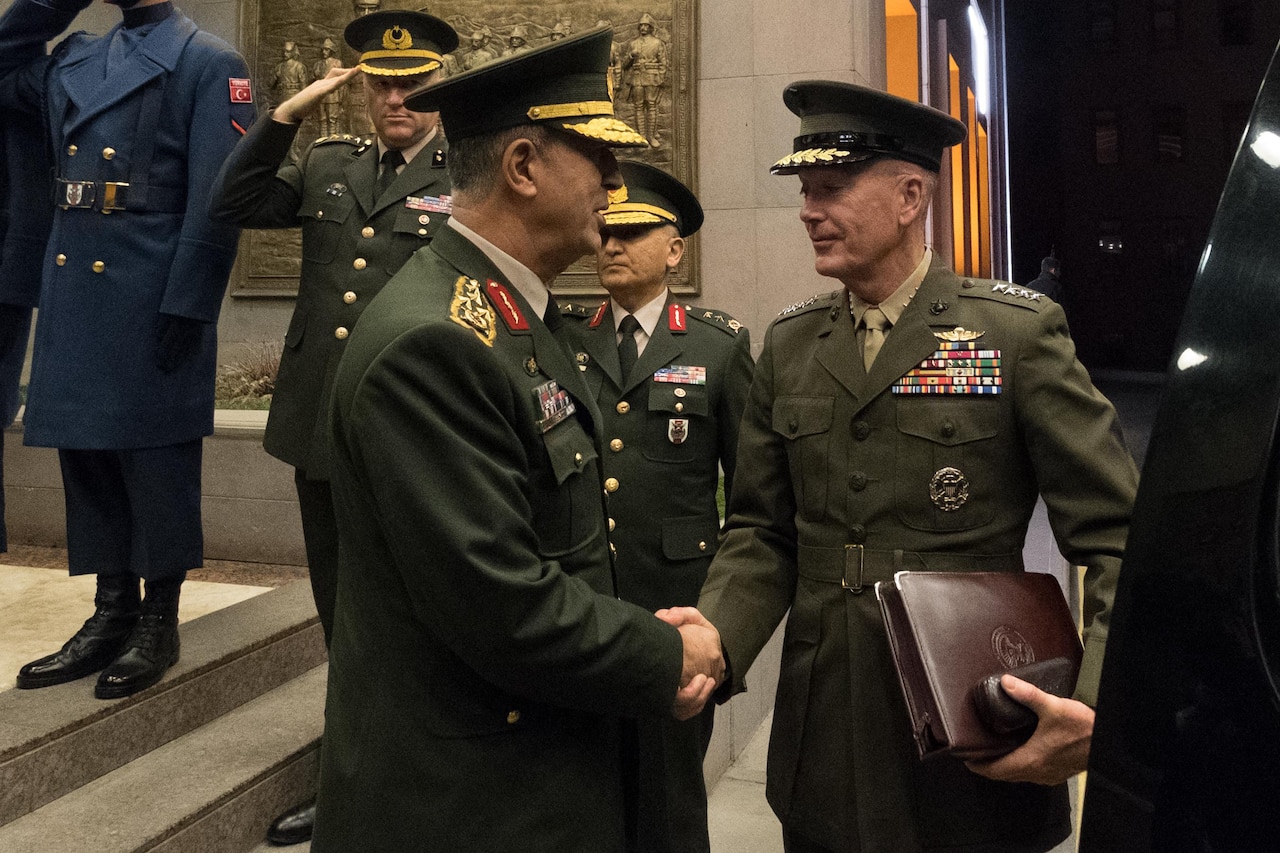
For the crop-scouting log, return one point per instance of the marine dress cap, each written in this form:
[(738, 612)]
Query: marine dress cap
[(400, 44), (563, 85), (845, 123), (649, 196)]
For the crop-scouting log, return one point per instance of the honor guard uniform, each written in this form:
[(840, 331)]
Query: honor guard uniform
[(916, 440), (354, 238), (137, 124), (480, 658), (669, 411)]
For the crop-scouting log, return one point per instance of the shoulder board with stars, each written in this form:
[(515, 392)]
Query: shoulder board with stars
[(577, 310), (813, 303), (361, 143), (439, 158), (712, 317), (1002, 291)]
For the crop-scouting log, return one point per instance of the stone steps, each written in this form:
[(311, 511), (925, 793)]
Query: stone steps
[(200, 762)]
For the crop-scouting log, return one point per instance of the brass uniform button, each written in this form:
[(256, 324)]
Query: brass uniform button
[(611, 484), (702, 546), (612, 525), (616, 445), (366, 232), (680, 392), (61, 260), (319, 214), (679, 407), (349, 297), (513, 717), (422, 232), (71, 150), (99, 266), (359, 263), (577, 459), (424, 220), (623, 407), (108, 153), (341, 333)]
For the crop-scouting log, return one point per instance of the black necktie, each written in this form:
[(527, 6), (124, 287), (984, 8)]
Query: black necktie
[(392, 159), (628, 352)]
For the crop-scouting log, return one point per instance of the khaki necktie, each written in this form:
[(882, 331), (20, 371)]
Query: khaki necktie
[(876, 324)]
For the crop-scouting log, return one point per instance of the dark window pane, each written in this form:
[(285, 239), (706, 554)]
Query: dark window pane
[(1236, 18), (1170, 128), (1102, 23), (1166, 27), (1106, 137)]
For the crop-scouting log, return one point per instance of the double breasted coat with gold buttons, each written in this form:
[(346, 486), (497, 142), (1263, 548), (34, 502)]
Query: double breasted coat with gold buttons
[(146, 136), (351, 245), (841, 482)]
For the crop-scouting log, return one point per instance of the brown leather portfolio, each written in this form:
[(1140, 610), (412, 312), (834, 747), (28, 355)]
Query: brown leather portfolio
[(948, 631)]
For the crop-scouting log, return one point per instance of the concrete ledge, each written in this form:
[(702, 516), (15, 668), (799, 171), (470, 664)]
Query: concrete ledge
[(210, 791), (56, 739), (250, 508)]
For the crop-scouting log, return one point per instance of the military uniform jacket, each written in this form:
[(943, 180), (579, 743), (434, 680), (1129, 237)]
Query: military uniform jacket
[(479, 658), (351, 246), (162, 121), (840, 479), (666, 434)]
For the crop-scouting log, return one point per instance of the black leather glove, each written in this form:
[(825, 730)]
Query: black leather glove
[(13, 327), (178, 340)]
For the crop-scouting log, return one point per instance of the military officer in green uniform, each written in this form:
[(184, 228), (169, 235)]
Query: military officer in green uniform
[(863, 453), (480, 659), (364, 205), (671, 381)]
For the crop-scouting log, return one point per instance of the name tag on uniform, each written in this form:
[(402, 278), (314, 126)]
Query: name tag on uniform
[(681, 375), (554, 403)]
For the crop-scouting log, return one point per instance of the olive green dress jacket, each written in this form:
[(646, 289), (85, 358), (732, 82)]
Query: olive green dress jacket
[(840, 479), (668, 430), (352, 244), (480, 661)]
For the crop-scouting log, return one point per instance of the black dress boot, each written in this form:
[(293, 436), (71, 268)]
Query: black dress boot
[(98, 642), (293, 826), (152, 647)]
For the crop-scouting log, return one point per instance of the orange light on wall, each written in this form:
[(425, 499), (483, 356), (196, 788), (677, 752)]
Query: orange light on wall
[(902, 49), (959, 175)]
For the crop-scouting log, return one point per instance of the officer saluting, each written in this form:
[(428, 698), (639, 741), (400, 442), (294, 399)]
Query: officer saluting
[(671, 381), (139, 122), (909, 420), (364, 205)]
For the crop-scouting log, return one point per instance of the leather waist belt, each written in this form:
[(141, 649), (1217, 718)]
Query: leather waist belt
[(110, 196), (855, 567)]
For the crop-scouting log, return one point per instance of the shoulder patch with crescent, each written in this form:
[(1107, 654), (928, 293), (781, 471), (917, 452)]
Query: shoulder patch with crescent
[(470, 309)]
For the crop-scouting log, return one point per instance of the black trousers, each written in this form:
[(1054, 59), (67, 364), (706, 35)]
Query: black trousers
[(134, 511)]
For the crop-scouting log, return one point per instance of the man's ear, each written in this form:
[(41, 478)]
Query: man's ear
[(675, 251), (913, 198), (520, 162)]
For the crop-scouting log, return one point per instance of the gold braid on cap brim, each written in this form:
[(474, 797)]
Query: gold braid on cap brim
[(811, 157), (433, 61), (609, 130), (634, 213)]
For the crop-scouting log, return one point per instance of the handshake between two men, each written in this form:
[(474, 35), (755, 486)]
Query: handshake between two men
[(704, 666)]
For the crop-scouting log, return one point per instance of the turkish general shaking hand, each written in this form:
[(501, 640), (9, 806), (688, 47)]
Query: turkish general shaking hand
[(703, 659)]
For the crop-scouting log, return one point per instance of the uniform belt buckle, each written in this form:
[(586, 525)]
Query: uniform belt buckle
[(114, 195), (853, 562), (77, 194)]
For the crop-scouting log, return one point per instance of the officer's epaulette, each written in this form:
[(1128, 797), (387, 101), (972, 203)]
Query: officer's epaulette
[(821, 301), (712, 317), (361, 143), (1003, 292), (578, 310)]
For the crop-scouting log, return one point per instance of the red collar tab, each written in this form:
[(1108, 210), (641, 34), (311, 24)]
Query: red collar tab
[(506, 305), (676, 318), (596, 320)]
